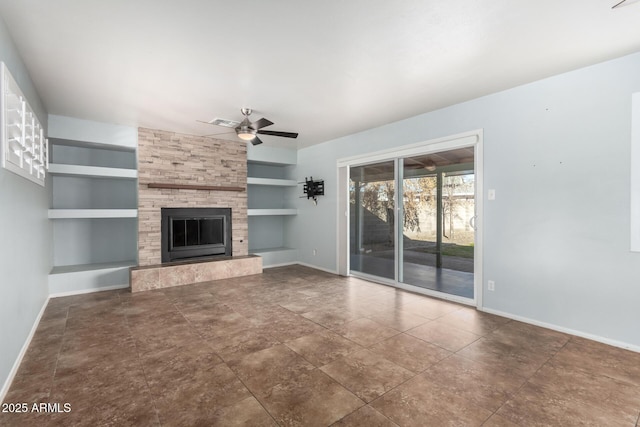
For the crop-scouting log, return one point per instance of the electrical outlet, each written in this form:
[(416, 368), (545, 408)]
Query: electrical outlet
[(491, 194), (491, 285), (315, 252)]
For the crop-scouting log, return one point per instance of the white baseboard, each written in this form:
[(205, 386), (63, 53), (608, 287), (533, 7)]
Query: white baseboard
[(282, 264), (326, 270), (23, 351), (569, 331), (87, 291)]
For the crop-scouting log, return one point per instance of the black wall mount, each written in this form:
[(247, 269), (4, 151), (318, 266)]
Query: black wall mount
[(313, 188)]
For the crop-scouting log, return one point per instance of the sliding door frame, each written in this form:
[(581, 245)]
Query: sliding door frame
[(397, 154)]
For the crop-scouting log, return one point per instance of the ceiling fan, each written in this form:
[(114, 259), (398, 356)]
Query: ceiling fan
[(624, 3), (249, 131)]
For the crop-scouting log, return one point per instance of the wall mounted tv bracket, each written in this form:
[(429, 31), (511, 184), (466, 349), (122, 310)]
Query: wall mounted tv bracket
[(312, 189)]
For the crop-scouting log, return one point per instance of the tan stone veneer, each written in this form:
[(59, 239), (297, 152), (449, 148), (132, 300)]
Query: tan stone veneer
[(173, 158), (186, 273)]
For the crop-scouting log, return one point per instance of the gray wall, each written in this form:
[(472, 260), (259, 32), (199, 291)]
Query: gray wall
[(25, 255), (556, 239)]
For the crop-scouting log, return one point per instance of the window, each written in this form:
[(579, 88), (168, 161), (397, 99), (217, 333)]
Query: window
[(24, 147)]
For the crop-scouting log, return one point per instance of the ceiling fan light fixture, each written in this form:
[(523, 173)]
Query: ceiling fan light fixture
[(246, 134)]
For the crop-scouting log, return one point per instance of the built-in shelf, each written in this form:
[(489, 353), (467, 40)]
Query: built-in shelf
[(92, 213), (269, 250), (272, 181), (93, 205), (272, 257), (271, 212), (65, 269), (59, 169), (195, 187), (123, 145), (72, 279), (271, 196)]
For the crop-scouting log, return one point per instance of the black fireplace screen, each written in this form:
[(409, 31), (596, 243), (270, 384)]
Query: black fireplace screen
[(195, 232)]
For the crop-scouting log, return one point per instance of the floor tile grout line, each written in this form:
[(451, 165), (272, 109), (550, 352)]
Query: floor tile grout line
[(314, 367), (514, 393), (253, 395), (572, 339), (451, 354), (511, 394), (439, 346), (141, 366), (55, 368), (360, 408), (226, 362), (409, 379), (343, 386), (371, 345)]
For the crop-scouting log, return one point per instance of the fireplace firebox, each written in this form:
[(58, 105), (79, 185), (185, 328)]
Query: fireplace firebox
[(189, 233)]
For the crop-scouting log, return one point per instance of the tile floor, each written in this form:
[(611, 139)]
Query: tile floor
[(295, 346)]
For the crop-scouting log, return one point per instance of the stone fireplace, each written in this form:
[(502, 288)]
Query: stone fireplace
[(173, 160), (176, 172)]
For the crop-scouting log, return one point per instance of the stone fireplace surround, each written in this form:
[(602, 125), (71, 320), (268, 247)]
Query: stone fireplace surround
[(173, 159)]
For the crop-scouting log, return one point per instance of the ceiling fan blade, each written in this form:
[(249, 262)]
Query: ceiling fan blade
[(220, 122), (259, 124), (256, 141), (223, 133), (277, 133)]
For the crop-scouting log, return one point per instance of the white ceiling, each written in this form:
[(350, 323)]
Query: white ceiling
[(324, 69)]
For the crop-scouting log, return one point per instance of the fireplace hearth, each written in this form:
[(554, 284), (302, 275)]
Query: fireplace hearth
[(195, 233)]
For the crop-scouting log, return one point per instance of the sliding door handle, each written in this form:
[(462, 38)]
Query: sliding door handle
[(472, 222)]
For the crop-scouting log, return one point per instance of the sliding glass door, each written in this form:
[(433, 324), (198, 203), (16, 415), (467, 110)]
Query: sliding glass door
[(372, 219), (412, 220), (438, 194)]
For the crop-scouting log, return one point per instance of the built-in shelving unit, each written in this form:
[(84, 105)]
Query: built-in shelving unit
[(57, 169), (272, 257), (93, 205), (65, 269), (271, 192), (272, 182), (92, 213), (271, 212)]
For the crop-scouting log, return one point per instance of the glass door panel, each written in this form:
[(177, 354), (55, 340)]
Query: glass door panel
[(438, 210), (372, 219)]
